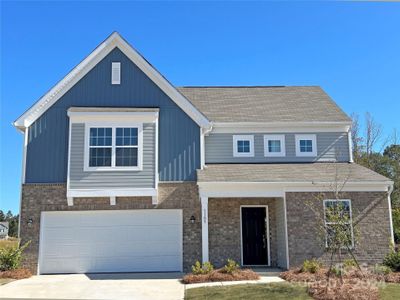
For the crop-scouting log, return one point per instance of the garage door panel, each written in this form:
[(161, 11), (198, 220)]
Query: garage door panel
[(111, 241)]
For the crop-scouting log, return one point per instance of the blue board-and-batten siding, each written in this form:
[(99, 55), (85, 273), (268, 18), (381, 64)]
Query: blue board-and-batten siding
[(179, 150)]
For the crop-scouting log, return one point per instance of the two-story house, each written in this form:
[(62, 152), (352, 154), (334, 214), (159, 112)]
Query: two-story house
[(124, 172)]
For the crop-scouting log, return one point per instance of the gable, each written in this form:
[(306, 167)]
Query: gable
[(108, 46)]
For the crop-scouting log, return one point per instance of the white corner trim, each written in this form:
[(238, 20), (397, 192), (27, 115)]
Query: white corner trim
[(204, 229), (390, 213), (113, 200), (237, 138), (70, 201), (133, 192), (113, 41), (113, 126), (154, 200), (24, 153), (349, 137), (313, 138), (274, 137), (156, 174)]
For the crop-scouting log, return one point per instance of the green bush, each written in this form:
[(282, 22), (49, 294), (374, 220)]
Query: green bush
[(199, 269), (381, 269), (349, 263), (311, 265), (231, 266), (10, 257), (392, 260), (396, 224), (337, 270)]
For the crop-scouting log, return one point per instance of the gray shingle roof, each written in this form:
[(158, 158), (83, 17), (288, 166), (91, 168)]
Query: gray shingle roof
[(265, 104), (300, 172)]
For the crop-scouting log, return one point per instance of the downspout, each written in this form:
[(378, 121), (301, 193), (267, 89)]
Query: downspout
[(203, 132), (390, 213), (350, 145)]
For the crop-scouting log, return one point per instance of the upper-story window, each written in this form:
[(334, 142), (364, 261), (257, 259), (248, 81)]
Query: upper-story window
[(114, 148), (274, 145), (338, 223), (306, 145), (116, 73), (243, 145)]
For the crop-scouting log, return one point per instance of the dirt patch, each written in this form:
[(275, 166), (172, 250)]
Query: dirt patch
[(220, 275), (16, 274)]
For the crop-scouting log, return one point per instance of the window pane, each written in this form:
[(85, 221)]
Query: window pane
[(100, 136), (274, 146), (127, 137), (243, 146), (126, 157), (337, 209), (100, 157), (306, 146)]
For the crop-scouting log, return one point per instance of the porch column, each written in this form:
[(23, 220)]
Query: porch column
[(204, 228)]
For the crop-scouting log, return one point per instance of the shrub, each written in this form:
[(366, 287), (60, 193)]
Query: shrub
[(381, 269), (199, 269), (311, 266), (392, 260), (337, 270), (349, 263), (10, 257), (231, 266)]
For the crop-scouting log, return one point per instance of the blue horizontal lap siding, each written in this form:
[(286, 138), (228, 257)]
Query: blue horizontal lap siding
[(179, 151)]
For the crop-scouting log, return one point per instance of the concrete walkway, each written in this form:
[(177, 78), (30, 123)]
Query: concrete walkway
[(143, 286), (263, 279)]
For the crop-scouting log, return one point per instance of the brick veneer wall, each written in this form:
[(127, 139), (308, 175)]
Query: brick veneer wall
[(370, 215), (224, 228), (52, 197)]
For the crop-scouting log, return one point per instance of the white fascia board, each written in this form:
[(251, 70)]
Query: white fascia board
[(104, 116), (280, 127), (114, 40), (278, 189), (145, 192)]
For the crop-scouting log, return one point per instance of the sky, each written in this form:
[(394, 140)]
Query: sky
[(352, 50)]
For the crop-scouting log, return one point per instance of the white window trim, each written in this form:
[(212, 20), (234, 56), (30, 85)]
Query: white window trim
[(350, 222), (113, 126), (249, 138), (116, 66), (274, 137), (313, 138)]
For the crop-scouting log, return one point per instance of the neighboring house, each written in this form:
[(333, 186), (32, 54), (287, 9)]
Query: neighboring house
[(4, 226), (123, 172)]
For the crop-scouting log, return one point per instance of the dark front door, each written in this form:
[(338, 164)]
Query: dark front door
[(254, 236)]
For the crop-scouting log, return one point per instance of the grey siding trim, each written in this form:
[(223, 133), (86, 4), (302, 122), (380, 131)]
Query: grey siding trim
[(179, 135), (330, 146), (280, 233), (111, 179)]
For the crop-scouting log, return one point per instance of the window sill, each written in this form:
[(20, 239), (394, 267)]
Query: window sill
[(110, 169)]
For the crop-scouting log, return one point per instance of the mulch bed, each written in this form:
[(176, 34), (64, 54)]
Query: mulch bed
[(354, 284), (220, 275), (16, 274)]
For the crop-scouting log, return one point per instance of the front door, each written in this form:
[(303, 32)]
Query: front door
[(254, 236)]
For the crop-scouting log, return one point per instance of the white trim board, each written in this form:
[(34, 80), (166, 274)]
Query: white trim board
[(113, 41), (138, 192)]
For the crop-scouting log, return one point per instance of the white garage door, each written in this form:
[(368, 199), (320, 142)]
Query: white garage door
[(111, 241)]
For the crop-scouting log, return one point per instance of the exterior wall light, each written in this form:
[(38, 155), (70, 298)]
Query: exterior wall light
[(29, 223), (192, 219)]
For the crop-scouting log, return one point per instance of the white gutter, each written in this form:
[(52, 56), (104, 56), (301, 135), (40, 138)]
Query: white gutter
[(390, 213)]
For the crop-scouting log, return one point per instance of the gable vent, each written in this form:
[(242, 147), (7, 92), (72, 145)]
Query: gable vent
[(116, 73)]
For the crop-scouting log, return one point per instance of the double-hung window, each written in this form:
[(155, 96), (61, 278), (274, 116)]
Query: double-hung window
[(274, 145), (338, 223), (117, 147), (306, 145), (243, 145)]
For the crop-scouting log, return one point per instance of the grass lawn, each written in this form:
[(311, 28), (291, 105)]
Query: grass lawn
[(11, 242), (390, 291), (278, 291)]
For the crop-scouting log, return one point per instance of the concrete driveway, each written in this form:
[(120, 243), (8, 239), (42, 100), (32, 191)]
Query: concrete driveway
[(138, 286)]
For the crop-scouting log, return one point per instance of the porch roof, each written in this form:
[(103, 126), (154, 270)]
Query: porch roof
[(292, 172)]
